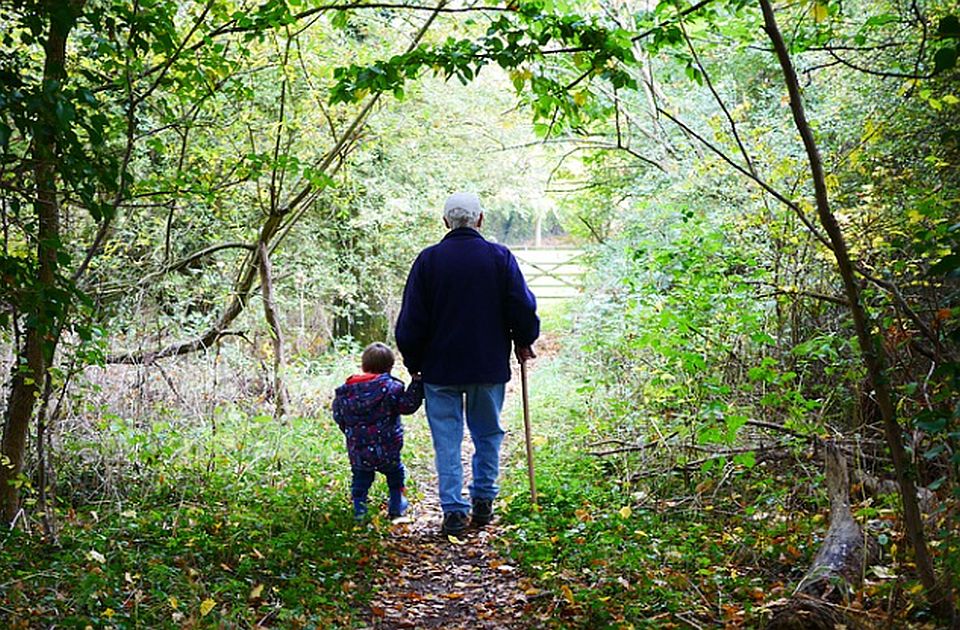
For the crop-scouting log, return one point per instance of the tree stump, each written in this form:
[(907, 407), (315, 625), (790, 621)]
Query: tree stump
[(837, 569)]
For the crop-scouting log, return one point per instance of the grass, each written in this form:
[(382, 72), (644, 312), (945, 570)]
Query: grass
[(246, 525)]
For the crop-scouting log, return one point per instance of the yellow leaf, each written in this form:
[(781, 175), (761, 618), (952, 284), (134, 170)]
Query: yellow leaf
[(174, 602), (256, 591), (580, 98), (567, 594), (455, 540), (109, 612), (625, 511), (819, 12), (832, 182), (206, 606)]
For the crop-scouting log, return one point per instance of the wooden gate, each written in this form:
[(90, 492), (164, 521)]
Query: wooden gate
[(553, 273)]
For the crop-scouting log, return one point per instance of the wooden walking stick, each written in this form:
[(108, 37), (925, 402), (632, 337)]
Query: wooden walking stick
[(526, 431)]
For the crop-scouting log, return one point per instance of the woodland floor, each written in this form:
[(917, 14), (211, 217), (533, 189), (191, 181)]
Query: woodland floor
[(249, 526)]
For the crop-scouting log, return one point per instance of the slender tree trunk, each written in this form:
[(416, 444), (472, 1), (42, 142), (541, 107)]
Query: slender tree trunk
[(42, 321), (276, 333), (874, 358)]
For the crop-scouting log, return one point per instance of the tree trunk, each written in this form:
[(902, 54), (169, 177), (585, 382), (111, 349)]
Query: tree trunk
[(838, 566), (43, 321), (938, 595), (276, 334)]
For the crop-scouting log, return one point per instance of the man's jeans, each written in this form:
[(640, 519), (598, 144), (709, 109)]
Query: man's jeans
[(445, 412)]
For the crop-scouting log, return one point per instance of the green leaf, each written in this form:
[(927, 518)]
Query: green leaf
[(948, 263), (945, 58), (734, 423), (949, 26), (710, 435), (339, 20), (747, 460), (881, 20), (931, 422)]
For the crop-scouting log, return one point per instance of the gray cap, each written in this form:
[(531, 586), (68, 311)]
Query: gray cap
[(462, 209)]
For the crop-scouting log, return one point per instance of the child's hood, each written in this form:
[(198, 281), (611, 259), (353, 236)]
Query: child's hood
[(365, 391)]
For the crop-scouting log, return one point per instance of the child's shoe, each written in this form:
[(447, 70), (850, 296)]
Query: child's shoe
[(398, 503), (359, 509)]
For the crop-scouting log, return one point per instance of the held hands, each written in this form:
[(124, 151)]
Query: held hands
[(524, 353)]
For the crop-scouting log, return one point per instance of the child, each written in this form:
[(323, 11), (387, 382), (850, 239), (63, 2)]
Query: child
[(367, 409)]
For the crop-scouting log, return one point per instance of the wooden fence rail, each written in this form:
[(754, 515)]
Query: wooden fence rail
[(553, 273)]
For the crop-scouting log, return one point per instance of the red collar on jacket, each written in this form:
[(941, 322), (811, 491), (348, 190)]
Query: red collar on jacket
[(363, 378)]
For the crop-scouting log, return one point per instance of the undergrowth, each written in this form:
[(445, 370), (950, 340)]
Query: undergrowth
[(243, 525), (616, 542)]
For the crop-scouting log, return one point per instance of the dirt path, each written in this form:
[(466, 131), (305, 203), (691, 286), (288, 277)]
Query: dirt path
[(427, 581)]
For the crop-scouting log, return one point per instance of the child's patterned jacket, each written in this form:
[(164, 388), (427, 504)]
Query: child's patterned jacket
[(367, 409)]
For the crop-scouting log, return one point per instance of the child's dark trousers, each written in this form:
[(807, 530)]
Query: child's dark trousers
[(363, 479)]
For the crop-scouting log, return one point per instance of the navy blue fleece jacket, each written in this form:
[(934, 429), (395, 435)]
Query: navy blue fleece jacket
[(464, 302)]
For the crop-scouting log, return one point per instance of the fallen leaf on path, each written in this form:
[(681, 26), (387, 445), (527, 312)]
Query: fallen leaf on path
[(884, 573)]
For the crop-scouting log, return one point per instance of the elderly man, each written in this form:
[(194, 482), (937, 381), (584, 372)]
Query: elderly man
[(464, 303)]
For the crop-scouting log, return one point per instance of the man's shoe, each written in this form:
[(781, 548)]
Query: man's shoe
[(482, 512), (454, 523)]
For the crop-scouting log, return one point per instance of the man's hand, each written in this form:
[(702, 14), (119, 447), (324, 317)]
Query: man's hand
[(525, 353)]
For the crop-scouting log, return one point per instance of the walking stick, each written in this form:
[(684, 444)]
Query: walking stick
[(526, 430)]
